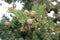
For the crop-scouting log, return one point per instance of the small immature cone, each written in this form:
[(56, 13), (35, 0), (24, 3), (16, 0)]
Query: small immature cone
[(22, 29), (58, 16), (35, 2), (29, 21), (44, 17), (52, 29), (26, 12), (32, 12), (14, 6), (27, 28), (37, 19), (7, 23)]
